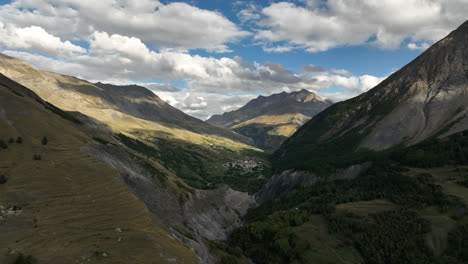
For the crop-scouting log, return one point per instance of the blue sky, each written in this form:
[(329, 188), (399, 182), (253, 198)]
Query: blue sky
[(207, 57), (359, 60)]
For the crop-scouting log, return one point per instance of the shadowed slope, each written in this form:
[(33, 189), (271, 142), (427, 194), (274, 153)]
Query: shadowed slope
[(426, 98), (65, 207)]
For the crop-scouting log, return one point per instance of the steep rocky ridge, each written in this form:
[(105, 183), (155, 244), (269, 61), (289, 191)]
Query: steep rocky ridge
[(426, 98)]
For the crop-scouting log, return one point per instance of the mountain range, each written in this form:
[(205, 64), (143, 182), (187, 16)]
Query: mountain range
[(271, 120)]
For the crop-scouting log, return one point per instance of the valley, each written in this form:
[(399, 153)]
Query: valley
[(95, 172)]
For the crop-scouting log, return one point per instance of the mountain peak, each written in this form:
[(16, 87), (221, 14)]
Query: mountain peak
[(306, 96), (269, 120)]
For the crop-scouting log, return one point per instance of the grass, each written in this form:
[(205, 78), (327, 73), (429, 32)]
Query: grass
[(365, 208), (324, 248), (70, 203), (269, 132)]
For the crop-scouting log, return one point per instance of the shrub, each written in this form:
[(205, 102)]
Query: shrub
[(22, 259), (3, 144), (11, 141), (44, 140), (37, 157), (19, 140), (3, 179), (229, 260)]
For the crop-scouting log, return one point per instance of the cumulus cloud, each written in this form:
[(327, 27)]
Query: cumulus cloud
[(318, 26), (174, 25), (210, 85), (204, 105), (249, 12), (341, 72), (36, 39)]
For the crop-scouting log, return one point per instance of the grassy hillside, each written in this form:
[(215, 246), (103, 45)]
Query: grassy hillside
[(269, 131), (60, 206), (203, 167)]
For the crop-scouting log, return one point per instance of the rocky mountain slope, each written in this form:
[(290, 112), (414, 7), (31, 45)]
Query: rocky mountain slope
[(58, 204), (426, 98), (270, 120)]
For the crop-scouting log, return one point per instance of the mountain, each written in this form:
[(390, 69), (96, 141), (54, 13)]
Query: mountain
[(142, 103), (125, 108), (426, 98), (270, 120), (58, 204), (380, 178), (195, 151)]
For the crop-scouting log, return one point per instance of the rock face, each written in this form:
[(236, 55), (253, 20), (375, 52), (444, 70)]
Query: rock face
[(428, 97), (206, 214), (270, 120), (214, 214), (288, 180), (283, 183)]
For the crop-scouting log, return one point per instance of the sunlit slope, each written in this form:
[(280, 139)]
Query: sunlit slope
[(66, 207), (269, 131), (124, 108)]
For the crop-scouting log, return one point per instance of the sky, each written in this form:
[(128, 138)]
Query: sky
[(207, 57)]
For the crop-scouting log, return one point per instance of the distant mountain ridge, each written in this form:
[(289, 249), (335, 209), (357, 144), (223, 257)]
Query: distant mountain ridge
[(270, 120), (426, 98), (303, 101)]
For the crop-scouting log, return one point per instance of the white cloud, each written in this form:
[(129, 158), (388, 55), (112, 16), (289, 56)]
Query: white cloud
[(213, 85), (414, 46), (319, 26), (341, 72), (36, 39), (173, 25), (248, 13)]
